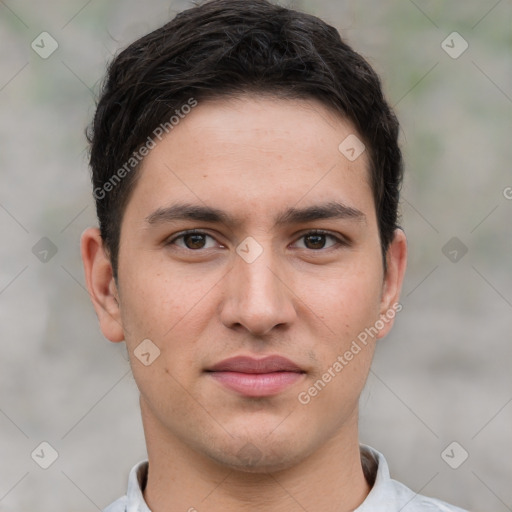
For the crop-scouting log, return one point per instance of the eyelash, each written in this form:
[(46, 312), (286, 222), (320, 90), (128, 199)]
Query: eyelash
[(339, 242)]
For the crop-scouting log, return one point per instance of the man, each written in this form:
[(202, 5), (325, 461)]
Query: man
[(246, 173)]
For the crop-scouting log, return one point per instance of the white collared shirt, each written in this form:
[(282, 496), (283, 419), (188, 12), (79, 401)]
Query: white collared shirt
[(387, 495)]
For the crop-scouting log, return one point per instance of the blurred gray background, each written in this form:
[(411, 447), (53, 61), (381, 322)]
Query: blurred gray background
[(442, 376)]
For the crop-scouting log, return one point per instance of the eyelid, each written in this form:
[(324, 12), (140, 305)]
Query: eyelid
[(171, 239), (340, 239)]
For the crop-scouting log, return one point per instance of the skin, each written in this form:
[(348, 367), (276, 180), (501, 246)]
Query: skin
[(305, 297)]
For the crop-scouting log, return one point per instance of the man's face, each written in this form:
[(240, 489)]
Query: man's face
[(301, 286)]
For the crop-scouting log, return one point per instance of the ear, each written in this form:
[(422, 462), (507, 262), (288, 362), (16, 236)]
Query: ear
[(101, 284), (396, 258)]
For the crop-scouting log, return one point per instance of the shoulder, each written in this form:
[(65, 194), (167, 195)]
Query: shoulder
[(413, 502), (388, 495), (133, 501), (118, 505)]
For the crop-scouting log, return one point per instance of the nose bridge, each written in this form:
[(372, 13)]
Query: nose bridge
[(258, 278), (257, 297)]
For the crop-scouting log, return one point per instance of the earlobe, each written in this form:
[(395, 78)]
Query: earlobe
[(101, 284), (396, 258)]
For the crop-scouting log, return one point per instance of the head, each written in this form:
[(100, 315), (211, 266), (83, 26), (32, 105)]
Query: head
[(224, 48), (262, 130)]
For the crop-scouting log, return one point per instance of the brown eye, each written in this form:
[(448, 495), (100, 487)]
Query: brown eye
[(317, 240), (194, 241), (314, 241)]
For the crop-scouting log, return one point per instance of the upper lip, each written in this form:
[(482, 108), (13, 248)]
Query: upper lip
[(245, 364)]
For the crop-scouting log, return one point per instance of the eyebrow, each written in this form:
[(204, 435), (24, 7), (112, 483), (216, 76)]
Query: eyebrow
[(331, 210), (186, 211)]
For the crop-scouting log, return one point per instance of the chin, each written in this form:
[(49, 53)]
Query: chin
[(263, 464), (258, 456)]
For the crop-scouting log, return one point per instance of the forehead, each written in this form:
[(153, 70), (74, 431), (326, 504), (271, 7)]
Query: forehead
[(255, 155)]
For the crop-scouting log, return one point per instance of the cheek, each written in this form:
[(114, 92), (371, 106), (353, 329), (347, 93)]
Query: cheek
[(157, 301), (173, 313), (344, 350), (164, 311), (346, 302)]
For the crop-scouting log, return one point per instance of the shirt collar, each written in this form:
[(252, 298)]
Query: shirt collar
[(386, 495), (136, 484)]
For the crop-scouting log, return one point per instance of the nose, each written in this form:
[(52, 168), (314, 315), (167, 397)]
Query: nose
[(258, 296)]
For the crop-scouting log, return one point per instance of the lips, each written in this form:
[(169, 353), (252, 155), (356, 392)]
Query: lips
[(256, 377), (268, 364)]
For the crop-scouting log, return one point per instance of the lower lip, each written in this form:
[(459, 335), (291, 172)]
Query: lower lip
[(257, 384)]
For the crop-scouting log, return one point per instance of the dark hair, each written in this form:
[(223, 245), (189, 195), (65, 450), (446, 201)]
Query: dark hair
[(226, 47)]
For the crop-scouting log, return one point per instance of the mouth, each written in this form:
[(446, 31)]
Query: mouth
[(256, 377)]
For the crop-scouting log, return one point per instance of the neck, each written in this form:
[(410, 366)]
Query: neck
[(331, 479)]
